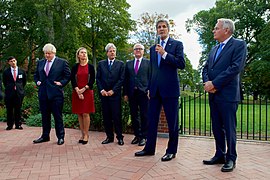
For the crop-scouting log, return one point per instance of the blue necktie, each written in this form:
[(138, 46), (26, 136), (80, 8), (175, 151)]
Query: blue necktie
[(110, 65), (159, 56), (219, 50)]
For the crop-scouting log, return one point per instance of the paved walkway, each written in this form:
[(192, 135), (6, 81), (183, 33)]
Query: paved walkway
[(21, 159)]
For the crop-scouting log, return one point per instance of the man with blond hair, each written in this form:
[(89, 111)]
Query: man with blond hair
[(51, 75)]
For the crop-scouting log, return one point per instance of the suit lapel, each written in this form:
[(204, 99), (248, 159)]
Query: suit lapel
[(226, 47)]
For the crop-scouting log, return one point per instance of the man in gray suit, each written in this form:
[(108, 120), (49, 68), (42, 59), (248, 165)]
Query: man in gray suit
[(135, 92)]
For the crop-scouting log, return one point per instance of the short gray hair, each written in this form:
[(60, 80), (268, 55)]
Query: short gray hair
[(227, 23), (138, 44), (49, 48), (110, 45)]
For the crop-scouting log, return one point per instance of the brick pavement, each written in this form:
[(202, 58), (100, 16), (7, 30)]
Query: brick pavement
[(21, 159)]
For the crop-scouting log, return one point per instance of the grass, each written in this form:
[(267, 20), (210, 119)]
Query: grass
[(252, 118)]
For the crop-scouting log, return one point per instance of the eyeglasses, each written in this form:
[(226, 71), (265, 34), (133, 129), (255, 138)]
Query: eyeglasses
[(138, 49)]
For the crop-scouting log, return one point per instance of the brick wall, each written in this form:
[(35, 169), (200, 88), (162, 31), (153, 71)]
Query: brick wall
[(162, 125)]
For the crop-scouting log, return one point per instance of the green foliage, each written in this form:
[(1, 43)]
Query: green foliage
[(30, 104), (252, 25), (35, 120), (3, 113), (71, 121)]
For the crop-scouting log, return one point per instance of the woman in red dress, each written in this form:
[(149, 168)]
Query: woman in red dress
[(82, 80)]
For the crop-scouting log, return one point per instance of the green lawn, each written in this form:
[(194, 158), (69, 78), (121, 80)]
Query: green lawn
[(252, 119)]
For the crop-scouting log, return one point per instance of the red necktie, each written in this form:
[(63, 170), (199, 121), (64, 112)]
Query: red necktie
[(14, 77), (137, 66)]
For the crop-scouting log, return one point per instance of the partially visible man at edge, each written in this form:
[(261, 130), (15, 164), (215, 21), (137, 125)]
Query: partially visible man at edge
[(221, 77)]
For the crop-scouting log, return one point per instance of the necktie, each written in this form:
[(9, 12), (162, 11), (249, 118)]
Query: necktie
[(137, 66), (14, 77), (219, 50), (14, 74), (110, 65), (47, 69), (159, 56)]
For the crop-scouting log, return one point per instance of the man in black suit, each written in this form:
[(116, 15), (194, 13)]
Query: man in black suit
[(14, 80), (135, 92), (221, 77), (110, 78), (52, 74), (165, 60)]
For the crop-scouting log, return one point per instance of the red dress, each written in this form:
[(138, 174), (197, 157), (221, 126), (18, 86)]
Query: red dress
[(87, 104)]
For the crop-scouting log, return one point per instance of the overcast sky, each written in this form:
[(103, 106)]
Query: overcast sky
[(179, 11)]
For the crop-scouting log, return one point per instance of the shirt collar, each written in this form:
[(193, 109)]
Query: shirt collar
[(226, 40), (165, 40), (51, 60)]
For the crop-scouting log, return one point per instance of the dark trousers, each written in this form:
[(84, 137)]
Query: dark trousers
[(171, 109), (13, 107), (111, 111), (54, 107), (223, 116), (138, 104)]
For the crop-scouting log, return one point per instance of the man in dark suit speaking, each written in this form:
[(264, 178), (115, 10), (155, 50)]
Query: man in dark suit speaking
[(14, 80), (165, 60), (135, 92), (52, 74), (221, 77)]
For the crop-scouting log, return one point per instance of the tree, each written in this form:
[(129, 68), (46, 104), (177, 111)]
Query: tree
[(26, 25), (106, 21), (250, 16), (146, 32), (187, 76)]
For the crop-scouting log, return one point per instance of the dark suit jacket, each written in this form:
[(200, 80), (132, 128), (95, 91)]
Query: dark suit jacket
[(59, 72), (139, 80), (110, 79), (225, 71), (91, 75), (165, 77), (9, 82)]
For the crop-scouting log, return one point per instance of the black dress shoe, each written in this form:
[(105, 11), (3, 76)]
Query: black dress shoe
[(84, 142), (214, 160), (142, 142), (60, 141), (41, 140), (135, 140), (19, 127), (228, 166), (167, 157), (120, 142), (144, 153), (8, 128), (80, 141), (107, 141)]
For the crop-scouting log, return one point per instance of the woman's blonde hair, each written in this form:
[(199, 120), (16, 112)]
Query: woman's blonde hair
[(77, 53)]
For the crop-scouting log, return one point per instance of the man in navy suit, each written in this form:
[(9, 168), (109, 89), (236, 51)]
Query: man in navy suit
[(51, 75), (221, 77), (14, 80), (110, 78), (135, 92), (165, 60)]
